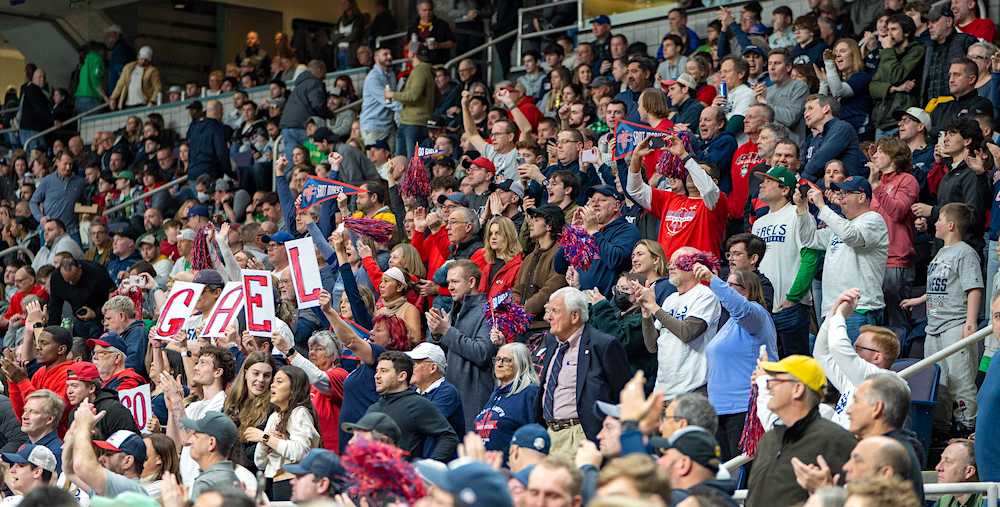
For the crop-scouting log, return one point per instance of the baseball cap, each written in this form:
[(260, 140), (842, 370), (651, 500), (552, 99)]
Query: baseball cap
[(125, 175), (601, 20), (532, 436), (607, 190), (553, 49), (280, 237), (854, 184), (782, 175), (455, 197), (472, 483), (147, 239), (198, 210), (375, 421), (485, 163), (195, 105), (83, 371), (546, 211), (174, 89), (754, 49), (216, 425), (381, 144), (694, 442), (209, 277), (324, 134), (321, 463), (187, 234), (32, 454), (125, 229), (125, 441), (940, 10), (916, 113), (430, 352), (684, 79), (523, 475), (804, 368), (609, 409), (109, 339), (514, 186)]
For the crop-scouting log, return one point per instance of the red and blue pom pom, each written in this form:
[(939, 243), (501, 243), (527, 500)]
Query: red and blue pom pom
[(509, 317), (686, 262), (672, 166), (416, 180), (380, 473), (378, 230), (579, 247)]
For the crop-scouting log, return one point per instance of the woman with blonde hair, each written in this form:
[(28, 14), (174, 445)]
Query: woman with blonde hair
[(650, 261), (248, 400), (559, 77), (844, 76), (500, 257), (513, 403)]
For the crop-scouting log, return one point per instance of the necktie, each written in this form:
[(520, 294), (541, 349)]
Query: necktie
[(550, 385)]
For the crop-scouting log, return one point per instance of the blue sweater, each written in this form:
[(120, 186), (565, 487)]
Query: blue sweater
[(732, 354), (359, 394), (615, 242), (987, 447), (838, 141), (504, 414), (445, 397), (718, 151)]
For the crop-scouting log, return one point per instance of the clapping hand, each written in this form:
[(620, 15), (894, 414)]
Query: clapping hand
[(438, 321), (813, 477)]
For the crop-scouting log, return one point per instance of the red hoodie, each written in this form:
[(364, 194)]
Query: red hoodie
[(52, 378), (124, 380), (505, 277)]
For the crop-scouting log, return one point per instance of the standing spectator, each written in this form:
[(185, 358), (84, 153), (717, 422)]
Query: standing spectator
[(782, 34), (35, 112), (139, 83), (85, 286), (809, 47), (418, 97), (208, 153), (326, 376), (308, 99), (746, 251), (678, 18), (431, 32), (856, 252), (120, 54), (502, 150), (735, 71), (796, 384), (967, 21), (377, 121), (533, 73), (253, 55), (56, 195), (894, 190), (844, 76), (945, 45), (538, 279), (897, 74), (513, 403), (962, 98), (953, 299), (465, 335), (89, 91), (714, 146), (673, 58), (785, 95), (580, 366), (682, 96), (830, 138), (31, 468), (637, 80)]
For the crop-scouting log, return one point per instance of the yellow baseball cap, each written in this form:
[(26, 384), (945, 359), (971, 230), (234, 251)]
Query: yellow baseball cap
[(804, 368)]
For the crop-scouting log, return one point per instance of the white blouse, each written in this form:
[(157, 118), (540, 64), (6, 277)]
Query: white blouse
[(302, 436)]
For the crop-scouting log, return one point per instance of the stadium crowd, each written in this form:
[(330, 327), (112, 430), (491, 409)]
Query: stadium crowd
[(730, 244)]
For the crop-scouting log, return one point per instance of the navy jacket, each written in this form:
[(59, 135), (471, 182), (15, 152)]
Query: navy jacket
[(207, 149), (631, 100), (137, 341), (615, 242), (838, 141), (689, 112), (601, 373), (718, 151)]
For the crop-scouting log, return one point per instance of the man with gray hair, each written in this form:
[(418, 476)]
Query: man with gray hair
[(119, 318), (429, 367), (40, 417), (581, 365)]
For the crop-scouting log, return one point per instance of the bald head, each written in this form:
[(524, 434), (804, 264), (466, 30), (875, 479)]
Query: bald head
[(877, 456), (213, 109)]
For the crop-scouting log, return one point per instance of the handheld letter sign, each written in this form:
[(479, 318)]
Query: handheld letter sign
[(137, 401), (180, 303), (226, 308), (305, 272), (258, 292)]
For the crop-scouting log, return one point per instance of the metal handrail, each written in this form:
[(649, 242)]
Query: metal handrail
[(382, 38), (486, 45), (72, 119), (16, 248), (144, 195)]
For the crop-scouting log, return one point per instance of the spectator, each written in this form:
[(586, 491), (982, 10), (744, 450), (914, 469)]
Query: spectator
[(505, 421), (454, 484), (89, 91), (735, 71), (254, 56), (844, 76), (502, 151), (945, 45), (964, 99), (796, 385), (377, 122), (830, 138), (782, 35), (308, 99), (31, 468), (958, 464), (26, 285), (748, 160), (756, 59), (123, 253), (567, 408), (42, 413), (673, 58), (897, 73), (691, 461), (533, 73), (118, 472), (915, 137), (55, 196), (553, 479), (81, 284), (119, 314), (967, 20), (714, 146), (521, 108), (809, 47), (416, 416), (638, 79), (57, 244), (208, 152), (891, 492), (432, 32), (83, 383), (429, 367), (538, 279), (635, 476), (138, 84), (785, 95), (120, 53), (417, 97), (678, 18), (318, 476), (35, 112), (682, 96), (953, 299), (110, 357)]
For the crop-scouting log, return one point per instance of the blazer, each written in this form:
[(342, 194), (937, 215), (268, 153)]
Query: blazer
[(601, 373), (150, 84)]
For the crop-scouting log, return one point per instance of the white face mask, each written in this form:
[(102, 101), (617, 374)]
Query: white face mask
[(203, 197)]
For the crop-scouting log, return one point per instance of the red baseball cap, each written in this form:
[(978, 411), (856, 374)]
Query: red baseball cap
[(485, 163), (83, 371)]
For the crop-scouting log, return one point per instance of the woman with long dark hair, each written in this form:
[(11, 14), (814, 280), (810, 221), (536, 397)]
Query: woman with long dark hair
[(248, 402), (161, 457), (289, 433)]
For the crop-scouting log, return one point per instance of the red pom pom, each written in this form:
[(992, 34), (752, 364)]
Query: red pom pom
[(416, 180), (378, 230), (380, 473)]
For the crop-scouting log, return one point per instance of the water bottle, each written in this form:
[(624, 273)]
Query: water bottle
[(723, 89), (67, 323), (414, 44)]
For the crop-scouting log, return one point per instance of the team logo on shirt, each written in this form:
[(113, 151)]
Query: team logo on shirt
[(774, 233), (489, 421), (676, 220)]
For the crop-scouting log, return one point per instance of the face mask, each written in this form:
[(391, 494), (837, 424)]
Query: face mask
[(622, 301), (203, 197)]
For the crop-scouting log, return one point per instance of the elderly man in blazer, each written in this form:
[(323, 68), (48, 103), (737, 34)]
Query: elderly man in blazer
[(581, 366), (139, 83)]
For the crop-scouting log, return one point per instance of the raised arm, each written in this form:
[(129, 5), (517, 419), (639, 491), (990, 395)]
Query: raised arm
[(85, 463), (471, 133)]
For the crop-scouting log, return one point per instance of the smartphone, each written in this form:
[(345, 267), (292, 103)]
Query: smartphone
[(657, 143), (590, 156), (551, 141), (804, 190)]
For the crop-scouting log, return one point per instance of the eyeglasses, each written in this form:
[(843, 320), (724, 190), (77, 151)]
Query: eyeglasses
[(503, 360), (859, 348), (735, 284), (456, 222), (778, 380)]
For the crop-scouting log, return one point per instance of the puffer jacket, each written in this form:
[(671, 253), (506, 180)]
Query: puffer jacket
[(470, 355)]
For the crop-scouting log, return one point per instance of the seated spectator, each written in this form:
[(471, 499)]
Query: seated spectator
[(682, 93), (83, 383), (637, 80), (635, 476), (890, 492), (691, 461), (118, 472), (31, 468), (735, 72), (714, 146), (429, 368), (320, 475), (809, 47), (958, 464)]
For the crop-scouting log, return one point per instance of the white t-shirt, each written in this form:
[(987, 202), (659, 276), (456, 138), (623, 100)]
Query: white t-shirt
[(683, 367), (779, 231), (196, 410), (135, 96)]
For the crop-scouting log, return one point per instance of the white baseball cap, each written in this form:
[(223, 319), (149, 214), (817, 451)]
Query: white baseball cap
[(430, 352), (917, 114)]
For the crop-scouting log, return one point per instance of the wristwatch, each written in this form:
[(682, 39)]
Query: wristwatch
[(187, 353), (265, 438), (290, 352)]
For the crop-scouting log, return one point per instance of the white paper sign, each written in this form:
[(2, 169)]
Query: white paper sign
[(226, 308), (138, 401), (304, 269), (258, 292), (178, 307)]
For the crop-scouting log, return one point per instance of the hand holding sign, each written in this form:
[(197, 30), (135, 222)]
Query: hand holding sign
[(137, 401), (304, 270), (258, 289), (178, 307)]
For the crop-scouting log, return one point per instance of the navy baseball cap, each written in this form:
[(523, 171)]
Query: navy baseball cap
[(209, 277), (607, 190), (321, 463), (854, 184), (125, 441), (472, 483), (198, 210), (455, 197), (109, 339), (601, 20), (280, 237), (754, 49), (381, 144), (694, 442), (532, 436)]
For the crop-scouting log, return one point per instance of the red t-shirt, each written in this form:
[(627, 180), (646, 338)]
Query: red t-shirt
[(650, 161), (744, 158), (686, 221), (981, 28), (16, 307)]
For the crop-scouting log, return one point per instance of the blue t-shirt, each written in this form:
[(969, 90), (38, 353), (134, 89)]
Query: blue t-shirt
[(359, 394), (504, 414), (988, 453)]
